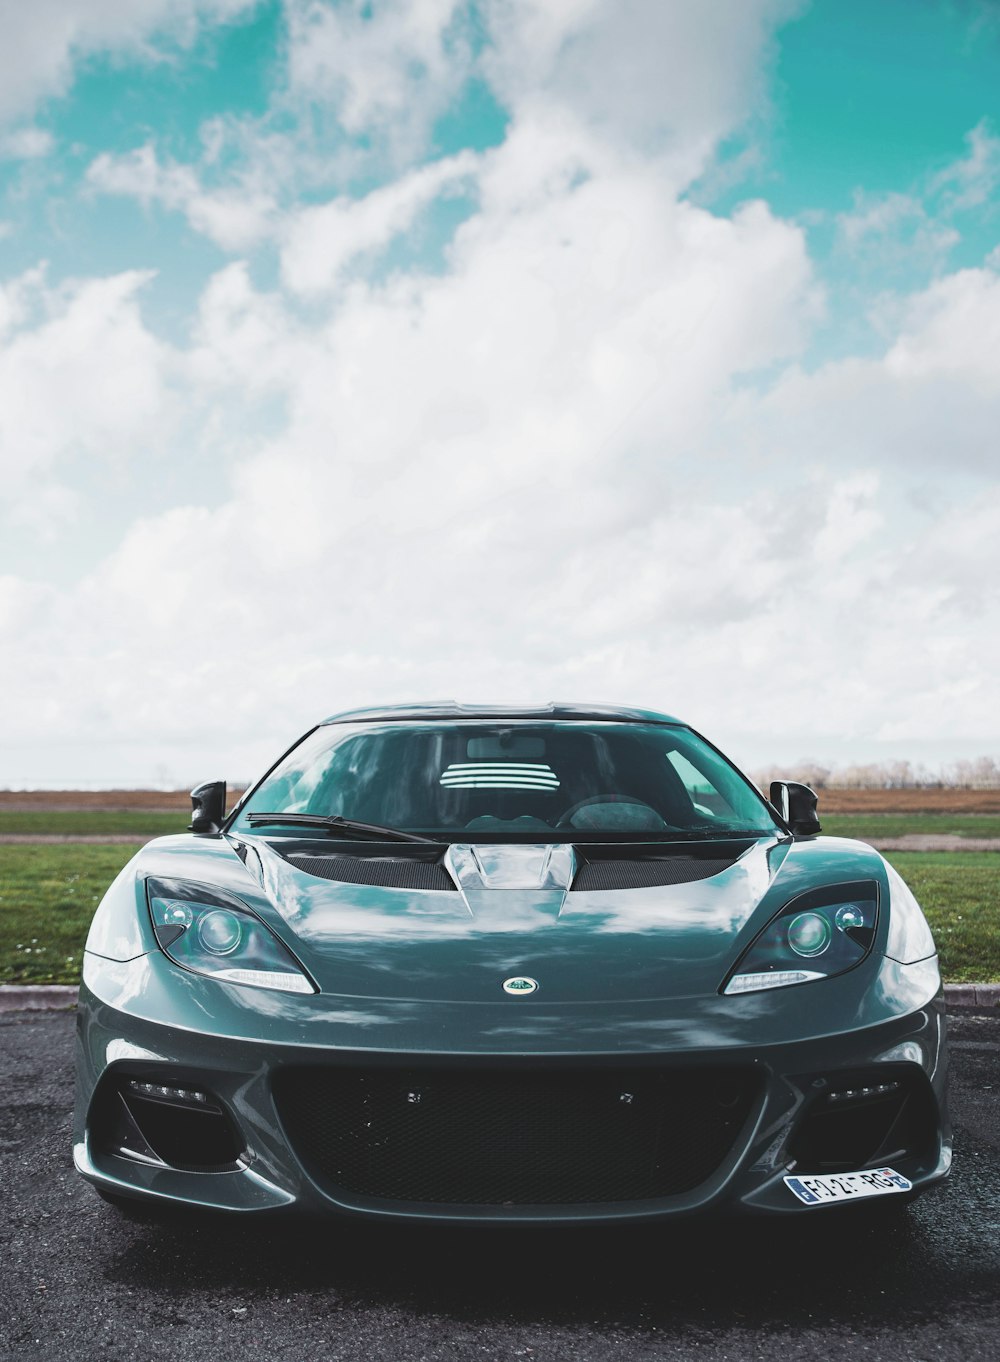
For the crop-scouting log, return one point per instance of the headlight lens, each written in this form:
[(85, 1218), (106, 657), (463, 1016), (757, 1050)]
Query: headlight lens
[(809, 934), (815, 936), (219, 931), (208, 932)]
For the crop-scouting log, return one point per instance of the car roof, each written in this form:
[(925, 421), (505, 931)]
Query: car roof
[(451, 709)]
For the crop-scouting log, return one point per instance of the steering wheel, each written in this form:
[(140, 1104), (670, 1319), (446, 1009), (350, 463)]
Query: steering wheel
[(565, 819)]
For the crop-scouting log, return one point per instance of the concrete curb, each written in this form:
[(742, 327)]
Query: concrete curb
[(36, 997), (979, 996), (51, 997)]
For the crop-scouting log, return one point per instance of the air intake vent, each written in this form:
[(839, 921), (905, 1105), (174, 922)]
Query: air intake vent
[(864, 1120), (182, 1126), (648, 873), (389, 872), (514, 1138)]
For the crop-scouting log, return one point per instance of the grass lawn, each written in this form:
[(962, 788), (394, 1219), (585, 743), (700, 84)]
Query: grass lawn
[(93, 822), (48, 894), (47, 898), (960, 893), (874, 825)]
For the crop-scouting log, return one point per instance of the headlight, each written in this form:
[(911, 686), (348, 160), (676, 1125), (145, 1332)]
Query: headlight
[(815, 936), (210, 933)]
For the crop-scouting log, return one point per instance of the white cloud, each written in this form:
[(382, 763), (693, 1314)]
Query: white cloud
[(237, 217), (215, 633), (852, 518), (971, 181), (388, 67), (321, 242), (889, 230), (25, 144), (653, 78), (80, 376), (494, 442), (47, 513), (954, 560), (244, 339), (877, 215), (528, 475), (953, 329), (639, 80), (894, 231), (578, 458), (43, 39), (928, 405), (667, 78), (18, 296)]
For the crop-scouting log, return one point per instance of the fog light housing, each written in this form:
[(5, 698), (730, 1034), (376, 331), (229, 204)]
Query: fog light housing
[(174, 1125), (866, 1119)]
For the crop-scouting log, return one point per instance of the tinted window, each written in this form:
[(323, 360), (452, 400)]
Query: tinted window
[(536, 780)]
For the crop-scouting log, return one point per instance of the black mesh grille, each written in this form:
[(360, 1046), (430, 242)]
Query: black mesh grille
[(647, 874), (391, 872), (539, 1137)]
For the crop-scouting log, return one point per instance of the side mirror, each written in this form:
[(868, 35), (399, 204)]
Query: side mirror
[(208, 808), (797, 805)]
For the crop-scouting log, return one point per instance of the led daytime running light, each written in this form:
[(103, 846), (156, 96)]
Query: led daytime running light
[(779, 978), (262, 978), (167, 1092)]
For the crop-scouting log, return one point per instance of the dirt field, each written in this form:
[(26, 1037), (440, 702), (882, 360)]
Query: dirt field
[(909, 801), (109, 801), (831, 800)]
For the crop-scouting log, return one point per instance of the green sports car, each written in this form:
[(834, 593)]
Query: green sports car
[(476, 964)]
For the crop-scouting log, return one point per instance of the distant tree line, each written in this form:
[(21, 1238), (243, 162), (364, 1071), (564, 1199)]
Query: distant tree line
[(975, 773)]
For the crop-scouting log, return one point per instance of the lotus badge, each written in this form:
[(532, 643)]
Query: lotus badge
[(520, 984)]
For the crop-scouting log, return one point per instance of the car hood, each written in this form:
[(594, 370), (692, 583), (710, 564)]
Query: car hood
[(514, 914)]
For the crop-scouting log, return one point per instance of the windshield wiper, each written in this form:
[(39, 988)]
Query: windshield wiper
[(724, 833), (333, 822)]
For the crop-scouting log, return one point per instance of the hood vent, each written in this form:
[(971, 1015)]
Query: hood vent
[(647, 874), (388, 872), (534, 868)]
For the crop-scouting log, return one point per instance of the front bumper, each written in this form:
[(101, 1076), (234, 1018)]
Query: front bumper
[(247, 1038)]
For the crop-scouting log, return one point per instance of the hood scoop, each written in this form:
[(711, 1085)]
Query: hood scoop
[(512, 867), (533, 880)]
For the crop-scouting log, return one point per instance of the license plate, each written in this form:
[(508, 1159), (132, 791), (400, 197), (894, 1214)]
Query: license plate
[(816, 1191)]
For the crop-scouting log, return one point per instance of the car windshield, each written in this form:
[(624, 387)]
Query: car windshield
[(526, 781)]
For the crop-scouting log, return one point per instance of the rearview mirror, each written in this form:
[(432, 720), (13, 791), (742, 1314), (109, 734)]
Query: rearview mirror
[(797, 805), (208, 808)]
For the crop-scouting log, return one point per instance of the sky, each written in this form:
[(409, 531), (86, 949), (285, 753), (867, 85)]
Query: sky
[(367, 351)]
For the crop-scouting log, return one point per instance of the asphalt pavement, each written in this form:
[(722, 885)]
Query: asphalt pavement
[(77, 1281)]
